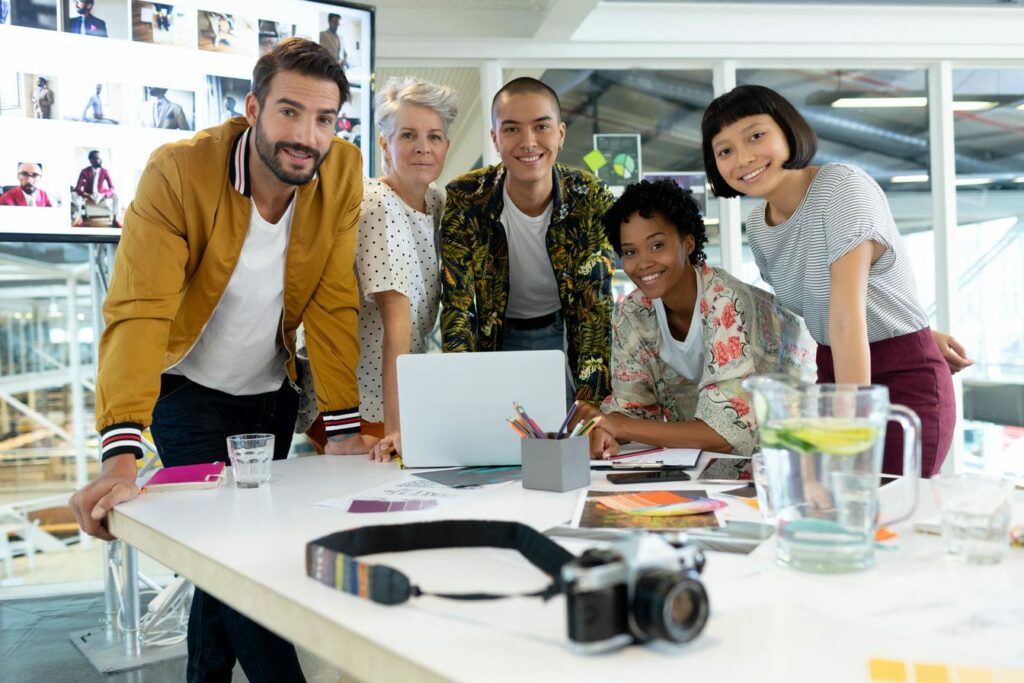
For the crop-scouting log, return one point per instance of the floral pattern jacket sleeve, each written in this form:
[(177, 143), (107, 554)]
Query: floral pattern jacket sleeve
[(745, 333)]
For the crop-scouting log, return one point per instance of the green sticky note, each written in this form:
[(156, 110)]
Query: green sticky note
[(595, 160), (888, 670)]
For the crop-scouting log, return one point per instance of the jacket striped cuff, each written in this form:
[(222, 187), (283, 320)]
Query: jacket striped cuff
[(341, 422), (121, 438)]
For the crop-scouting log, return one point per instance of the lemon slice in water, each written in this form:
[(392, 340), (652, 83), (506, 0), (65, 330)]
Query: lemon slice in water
[(832, 437)]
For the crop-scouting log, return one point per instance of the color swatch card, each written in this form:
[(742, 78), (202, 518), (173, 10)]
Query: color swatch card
[(651, 510), (391, 505)]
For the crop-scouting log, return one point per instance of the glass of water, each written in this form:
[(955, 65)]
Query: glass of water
[(251, 455), (975, 512)]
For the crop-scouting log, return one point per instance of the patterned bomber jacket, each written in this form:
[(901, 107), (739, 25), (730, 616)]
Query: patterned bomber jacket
[(475, 269), (746, 332)]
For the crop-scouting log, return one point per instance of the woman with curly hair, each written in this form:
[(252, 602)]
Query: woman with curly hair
[(688, 335)]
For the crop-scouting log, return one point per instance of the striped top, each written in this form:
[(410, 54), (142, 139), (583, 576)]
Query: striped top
[(843, 207)]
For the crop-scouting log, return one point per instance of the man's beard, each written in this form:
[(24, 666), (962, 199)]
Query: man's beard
[(83, 10), (28, 189), (268, 154)]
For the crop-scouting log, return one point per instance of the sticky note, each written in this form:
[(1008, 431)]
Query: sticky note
[(888, 670), (931, 673), (973, 674), (595, 159), (1011, 676)]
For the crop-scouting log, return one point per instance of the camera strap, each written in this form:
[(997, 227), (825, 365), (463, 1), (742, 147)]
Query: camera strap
[(333, 559)]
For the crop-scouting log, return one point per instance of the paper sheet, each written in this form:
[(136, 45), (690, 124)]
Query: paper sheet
[(407, 489)]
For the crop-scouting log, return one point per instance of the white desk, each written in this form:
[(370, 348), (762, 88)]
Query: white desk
[(246, 547)]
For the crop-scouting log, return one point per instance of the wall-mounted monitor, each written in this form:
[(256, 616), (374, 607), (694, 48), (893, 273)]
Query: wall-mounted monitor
[(89, 90)]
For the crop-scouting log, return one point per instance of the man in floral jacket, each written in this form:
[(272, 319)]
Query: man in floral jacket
[(525, 260)]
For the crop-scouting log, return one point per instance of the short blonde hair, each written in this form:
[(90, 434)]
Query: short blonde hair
[(401, 90)]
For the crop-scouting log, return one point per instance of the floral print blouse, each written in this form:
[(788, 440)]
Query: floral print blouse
[(746, 333)]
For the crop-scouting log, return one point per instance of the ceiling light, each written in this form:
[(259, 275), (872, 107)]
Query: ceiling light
[(973, 181), (879, 102), (973, 105), (1019, 179), (913, 178)]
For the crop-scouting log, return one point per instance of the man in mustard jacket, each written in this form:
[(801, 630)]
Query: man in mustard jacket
[(234, 238)]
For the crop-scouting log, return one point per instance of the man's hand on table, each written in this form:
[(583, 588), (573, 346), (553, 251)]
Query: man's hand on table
[(357, 444), (91, 503)]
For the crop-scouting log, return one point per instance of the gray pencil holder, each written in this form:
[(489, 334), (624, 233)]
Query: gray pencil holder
[(556, 464)]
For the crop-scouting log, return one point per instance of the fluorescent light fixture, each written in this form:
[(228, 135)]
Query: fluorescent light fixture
[(905, 102), (879, 102), (1019, 179), (961, 182), (913, 178), (973, 105), (1021, 107)]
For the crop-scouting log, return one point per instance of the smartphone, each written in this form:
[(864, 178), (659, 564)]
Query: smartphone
[(651, 477)]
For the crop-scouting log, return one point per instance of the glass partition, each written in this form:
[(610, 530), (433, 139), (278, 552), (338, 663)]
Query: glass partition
[(876, 120)]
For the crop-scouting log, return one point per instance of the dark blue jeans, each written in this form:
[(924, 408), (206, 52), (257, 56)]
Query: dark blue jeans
[(191, 424), (549, 338)]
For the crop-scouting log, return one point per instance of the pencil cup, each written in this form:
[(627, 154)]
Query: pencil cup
[(556, 464)]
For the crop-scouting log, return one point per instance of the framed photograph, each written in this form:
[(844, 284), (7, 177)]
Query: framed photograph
[(162, 23), (622, 160), (96, 18)]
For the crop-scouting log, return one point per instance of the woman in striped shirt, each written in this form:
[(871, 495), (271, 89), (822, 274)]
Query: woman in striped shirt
[(825, 239)]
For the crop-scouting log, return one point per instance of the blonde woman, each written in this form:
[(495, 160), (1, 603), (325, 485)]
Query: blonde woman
[(396, 259)]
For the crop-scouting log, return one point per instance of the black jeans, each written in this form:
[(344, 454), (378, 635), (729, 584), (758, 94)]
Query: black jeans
[(191, 424)]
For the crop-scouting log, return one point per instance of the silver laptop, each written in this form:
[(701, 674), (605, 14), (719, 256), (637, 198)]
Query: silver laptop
[(454, 406)]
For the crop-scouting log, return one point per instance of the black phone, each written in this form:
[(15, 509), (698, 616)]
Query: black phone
[(652, 476)]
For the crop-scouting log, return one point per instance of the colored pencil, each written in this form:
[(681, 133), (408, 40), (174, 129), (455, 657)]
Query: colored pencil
[(518, 430), (529, 420), (568, 419)]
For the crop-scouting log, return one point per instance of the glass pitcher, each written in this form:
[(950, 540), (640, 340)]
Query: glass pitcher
[(822, 446)]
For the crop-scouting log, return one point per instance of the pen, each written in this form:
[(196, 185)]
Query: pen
[(648, 451)]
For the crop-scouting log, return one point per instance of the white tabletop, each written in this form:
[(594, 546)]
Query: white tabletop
[(246, 547)]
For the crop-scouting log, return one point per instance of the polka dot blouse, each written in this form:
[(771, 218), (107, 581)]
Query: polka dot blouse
[(396, 252)]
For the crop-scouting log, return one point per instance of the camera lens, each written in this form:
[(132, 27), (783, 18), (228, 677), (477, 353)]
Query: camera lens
[(671, 605)]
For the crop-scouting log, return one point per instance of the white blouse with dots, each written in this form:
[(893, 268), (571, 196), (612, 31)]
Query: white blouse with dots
[(396, 252)]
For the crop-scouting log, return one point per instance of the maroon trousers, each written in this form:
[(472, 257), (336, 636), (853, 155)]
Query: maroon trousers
[(918, 377)]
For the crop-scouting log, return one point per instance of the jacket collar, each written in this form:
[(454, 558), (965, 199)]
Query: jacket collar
[(496, 204), (238, 170)]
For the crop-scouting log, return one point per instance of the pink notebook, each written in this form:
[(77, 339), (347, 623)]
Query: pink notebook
[(206, 476)]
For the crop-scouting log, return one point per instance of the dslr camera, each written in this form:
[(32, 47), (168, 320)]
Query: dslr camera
[(642, 588)]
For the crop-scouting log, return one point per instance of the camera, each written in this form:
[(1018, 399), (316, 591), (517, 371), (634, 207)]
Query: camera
[(642, 588)]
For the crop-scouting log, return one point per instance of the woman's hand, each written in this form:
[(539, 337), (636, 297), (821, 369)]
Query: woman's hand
[(584, 413), (602, 444), (387, 448), (952, 351)]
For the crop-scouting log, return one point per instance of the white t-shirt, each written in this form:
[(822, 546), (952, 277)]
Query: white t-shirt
[(238, 351), (685, 357), (533, 290), (396, 252)]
